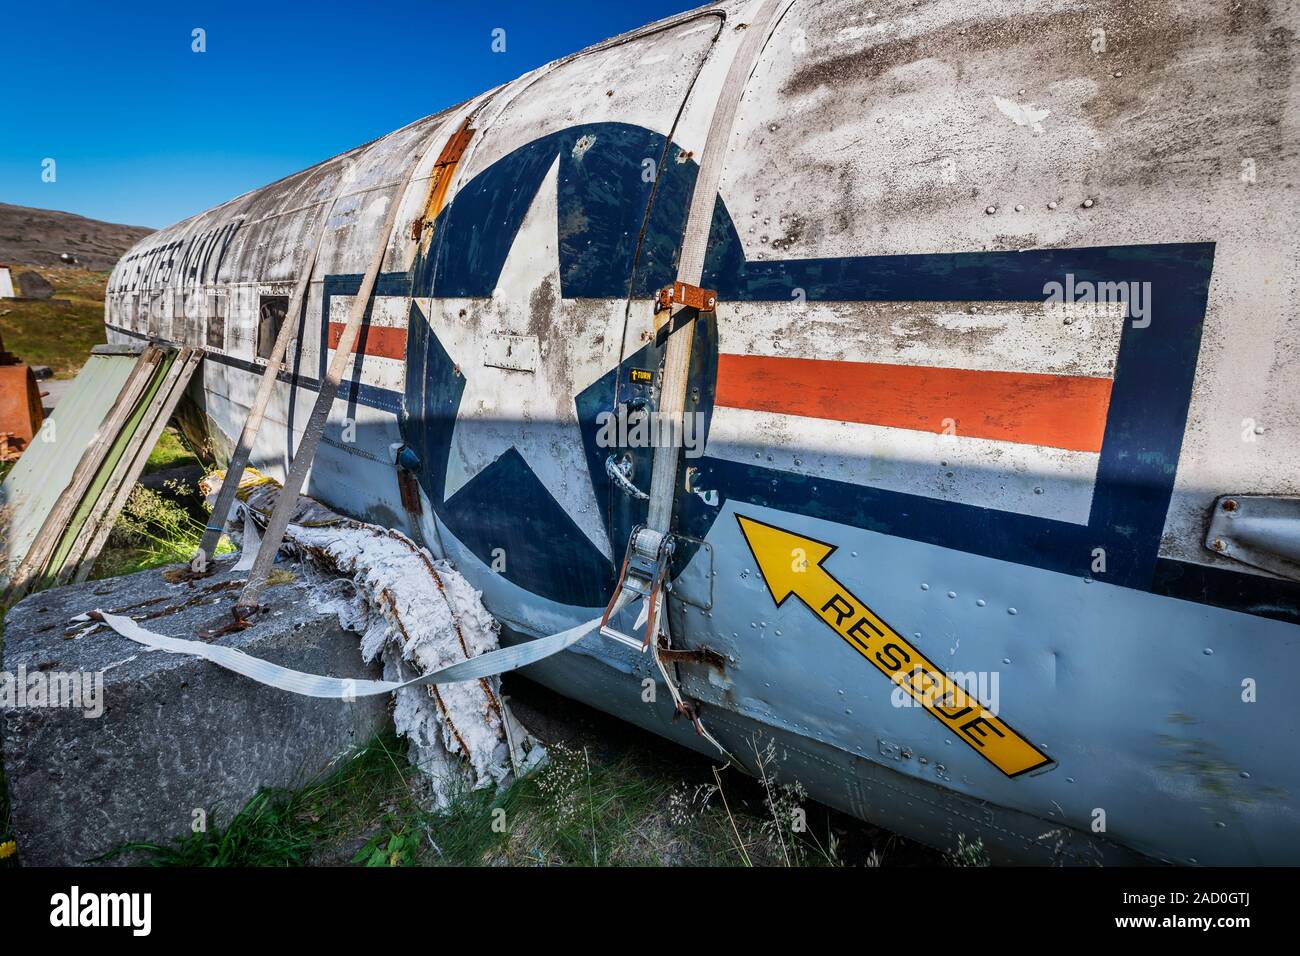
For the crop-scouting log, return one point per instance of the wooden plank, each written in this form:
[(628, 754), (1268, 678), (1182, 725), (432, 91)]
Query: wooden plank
[(98, 486), (94, 533)]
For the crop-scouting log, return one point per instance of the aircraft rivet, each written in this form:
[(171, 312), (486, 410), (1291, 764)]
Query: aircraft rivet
[(952, 594), (1087, 204), (1208, 652), (1245, 775), (1006, 660), (923, 759), (940, 767), (1221, 825), (853, 554), (778, 633), (980, 603), (1052, 204), (1218, 544), (990, 210), (924, 586), (907, 754), (1119, 73), (1230, 505), (1012, 610), (1038, 491), (1019, 208)]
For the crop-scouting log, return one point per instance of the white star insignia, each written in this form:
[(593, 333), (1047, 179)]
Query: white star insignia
[(540, 337)]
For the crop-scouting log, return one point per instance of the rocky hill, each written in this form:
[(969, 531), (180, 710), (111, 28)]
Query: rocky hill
[(39, 237)]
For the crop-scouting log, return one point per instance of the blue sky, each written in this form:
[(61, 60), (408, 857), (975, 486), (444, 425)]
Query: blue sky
[(146, 132)]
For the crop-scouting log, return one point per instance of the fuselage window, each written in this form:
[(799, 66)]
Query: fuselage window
[(271, 313), (216, 320)]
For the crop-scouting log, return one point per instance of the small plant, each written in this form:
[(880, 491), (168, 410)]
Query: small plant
[(687, 803), (968, 854), (396, 844), (559, 783)]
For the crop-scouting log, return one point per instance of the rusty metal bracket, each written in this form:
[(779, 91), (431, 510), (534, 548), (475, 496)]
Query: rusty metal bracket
[(685, 294), (691, 298), (440, 178)]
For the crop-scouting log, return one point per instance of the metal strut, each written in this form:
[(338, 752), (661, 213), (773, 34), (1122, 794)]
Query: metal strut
[(287, 501)]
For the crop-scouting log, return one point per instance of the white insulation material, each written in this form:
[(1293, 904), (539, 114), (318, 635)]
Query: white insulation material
[(417, 614)]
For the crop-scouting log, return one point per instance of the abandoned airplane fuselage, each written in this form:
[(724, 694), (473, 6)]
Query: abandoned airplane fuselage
[(997, 393)]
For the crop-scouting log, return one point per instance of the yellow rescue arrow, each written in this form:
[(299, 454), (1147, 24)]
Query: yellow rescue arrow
[(792, 564)]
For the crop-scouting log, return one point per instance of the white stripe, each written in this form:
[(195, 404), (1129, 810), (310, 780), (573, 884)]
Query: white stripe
[(390, 311), (997, 336), (1026, 479)]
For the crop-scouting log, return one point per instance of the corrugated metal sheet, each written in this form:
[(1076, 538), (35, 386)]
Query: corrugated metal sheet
[(31, 490)]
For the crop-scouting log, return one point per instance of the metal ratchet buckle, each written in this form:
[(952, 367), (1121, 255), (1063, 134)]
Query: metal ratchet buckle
[(645, 568)]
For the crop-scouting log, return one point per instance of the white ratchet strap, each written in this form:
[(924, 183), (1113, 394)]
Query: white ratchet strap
[(344, 688)]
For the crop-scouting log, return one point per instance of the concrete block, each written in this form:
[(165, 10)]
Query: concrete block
[(176, 733)]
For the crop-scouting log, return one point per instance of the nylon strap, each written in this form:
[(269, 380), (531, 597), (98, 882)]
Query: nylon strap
[(342, 688), (690, 269)]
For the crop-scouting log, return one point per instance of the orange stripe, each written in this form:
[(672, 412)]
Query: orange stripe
[(381, 341), (1061, 411)]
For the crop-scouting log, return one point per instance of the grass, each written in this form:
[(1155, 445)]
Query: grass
[(155, 529), (170, 452), (576, 811), (55, 334), (610, 795)]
